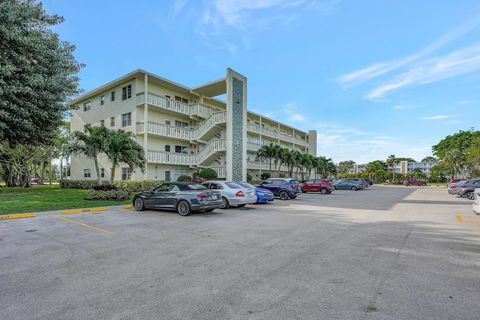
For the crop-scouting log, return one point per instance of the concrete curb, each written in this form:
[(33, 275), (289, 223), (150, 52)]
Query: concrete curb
[(17, 216), (83, 210)]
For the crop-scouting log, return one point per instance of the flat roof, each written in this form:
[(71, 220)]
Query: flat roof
[(209, 89)]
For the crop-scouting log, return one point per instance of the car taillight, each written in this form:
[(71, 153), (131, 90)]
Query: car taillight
[(464, 186), (453, 187), (202, 196), (240, 194)]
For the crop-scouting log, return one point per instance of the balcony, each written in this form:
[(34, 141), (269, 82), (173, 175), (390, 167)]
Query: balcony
[(163, 130), (200, 111), (170, 158), (275, 134), (164, 103), (255, 165)]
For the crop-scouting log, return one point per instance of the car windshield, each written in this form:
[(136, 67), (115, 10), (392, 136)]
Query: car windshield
[(233, 185), (246, 185)]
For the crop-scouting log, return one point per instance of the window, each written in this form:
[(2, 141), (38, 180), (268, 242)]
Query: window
[(177, 98), (181, 124), (167, 122), (102, 99), (112, 96), (126, 173), (102, 123), (181, 149), (112, 122), (87, 105), (127, 92), (167, 176), (87, 173), (126, 119), (102, 172), (167, 148)]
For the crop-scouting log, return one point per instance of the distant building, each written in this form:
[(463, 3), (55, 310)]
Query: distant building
[(403, 167)]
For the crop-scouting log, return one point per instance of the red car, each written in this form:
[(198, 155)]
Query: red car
[(414, 182), (320, 185)]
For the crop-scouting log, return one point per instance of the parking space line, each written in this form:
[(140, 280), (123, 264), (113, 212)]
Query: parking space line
[(83, 224), (463, 219), (128, 206)]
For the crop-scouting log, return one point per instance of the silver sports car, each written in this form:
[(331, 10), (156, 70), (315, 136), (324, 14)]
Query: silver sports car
[(232, 194)]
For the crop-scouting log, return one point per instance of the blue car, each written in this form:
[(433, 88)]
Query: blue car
[(284, 188), (263, 195)]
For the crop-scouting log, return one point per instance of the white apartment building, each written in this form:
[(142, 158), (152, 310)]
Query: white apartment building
[(183, 129), (403, 167)]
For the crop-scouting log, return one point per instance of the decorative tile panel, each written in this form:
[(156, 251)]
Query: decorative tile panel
[(237, 129)]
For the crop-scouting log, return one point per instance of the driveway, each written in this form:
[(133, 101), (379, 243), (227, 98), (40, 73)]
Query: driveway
[(384, 253)]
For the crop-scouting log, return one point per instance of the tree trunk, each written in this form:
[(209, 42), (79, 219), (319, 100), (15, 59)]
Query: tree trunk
[(61, 168), (97, 169), (51, 173), (112, 172), (42, 174)]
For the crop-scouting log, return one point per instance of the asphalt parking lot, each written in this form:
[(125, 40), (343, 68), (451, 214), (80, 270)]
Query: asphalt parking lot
[(384, 253)]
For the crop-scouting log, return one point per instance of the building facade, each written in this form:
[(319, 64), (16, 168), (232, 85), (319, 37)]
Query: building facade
[(402, 167), (183, 129)]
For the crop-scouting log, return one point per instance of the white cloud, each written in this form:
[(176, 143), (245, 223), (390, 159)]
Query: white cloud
[(403, 107), (292, 109), (456, 63), (178, 5), (381, 68), (437, 117)]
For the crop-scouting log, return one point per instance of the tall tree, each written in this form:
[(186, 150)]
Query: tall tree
[(38, 73), (346, 166)]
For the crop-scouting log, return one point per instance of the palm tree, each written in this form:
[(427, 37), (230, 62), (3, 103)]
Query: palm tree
[(277, 153), (121, 147), (286, 158), (90, 143), (267, 152)]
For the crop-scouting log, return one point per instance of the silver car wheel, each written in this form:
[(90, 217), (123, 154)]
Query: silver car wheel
[(139, 206), (183, 208), (225, 204), (284, 195), (471, 195)]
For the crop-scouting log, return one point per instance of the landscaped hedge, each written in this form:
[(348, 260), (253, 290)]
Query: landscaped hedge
[(107, 195), (127, 185)]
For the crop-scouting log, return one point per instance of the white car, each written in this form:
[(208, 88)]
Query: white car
[(232, 194), (476, 202)]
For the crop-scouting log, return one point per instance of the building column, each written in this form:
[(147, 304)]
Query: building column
[(236, 146), (145, 125)]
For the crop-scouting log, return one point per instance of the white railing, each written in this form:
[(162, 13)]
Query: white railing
[(164, 103), (255, 165), (213, 146), (214, 119), (253, 146), (167, 131), (170, 158), (200, 110), (221, 172), (275, 134)]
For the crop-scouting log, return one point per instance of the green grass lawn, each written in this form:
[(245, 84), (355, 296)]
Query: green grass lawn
[(44, 198)]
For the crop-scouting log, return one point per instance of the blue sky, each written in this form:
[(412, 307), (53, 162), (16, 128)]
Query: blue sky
[(372, 77)]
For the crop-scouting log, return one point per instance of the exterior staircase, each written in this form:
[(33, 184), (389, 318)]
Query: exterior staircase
[(211, 126), (212, 150)]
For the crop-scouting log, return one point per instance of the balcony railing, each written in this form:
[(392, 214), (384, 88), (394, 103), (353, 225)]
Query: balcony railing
[(164, 103), (213, 146), (200, 110), (275, 134), (214, 119), (255, 165), (221, 172), (170, 158), (167, 131)]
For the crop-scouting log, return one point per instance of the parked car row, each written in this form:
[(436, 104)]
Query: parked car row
[(463, 187), (188, 197)]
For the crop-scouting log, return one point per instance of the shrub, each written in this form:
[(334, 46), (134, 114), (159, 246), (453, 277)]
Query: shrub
[(127, 185), (184, 178), (105, 187), (208, 174), (137, 185), (107, 195), (78, 184), (249, 177), (265, 175)]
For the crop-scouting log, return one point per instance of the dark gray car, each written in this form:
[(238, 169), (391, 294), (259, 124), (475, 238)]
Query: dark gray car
[(184, 197), (467, 189), (348, 184)]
